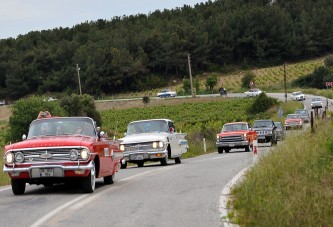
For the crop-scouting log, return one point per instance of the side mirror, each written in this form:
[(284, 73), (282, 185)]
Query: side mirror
[(24, 137)]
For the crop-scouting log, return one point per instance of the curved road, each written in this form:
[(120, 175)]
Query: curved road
[(175, 195)]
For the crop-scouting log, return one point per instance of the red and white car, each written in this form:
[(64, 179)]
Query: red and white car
[(60, 150), (293, 121)]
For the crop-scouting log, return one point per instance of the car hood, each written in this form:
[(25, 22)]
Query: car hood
[(144, 137), (233, 133), (293, 120), (53, 141), (262, 129)]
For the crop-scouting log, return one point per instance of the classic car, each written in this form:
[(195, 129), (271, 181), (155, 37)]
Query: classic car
[(297, 96), (266, 131), (56, 151), (293, 121), (235, 135), (280, 130), (304, 114), (316, 103), (253, 92), (166, 93), (152, 140)]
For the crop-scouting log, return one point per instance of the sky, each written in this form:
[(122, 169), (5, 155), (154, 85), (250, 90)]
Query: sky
[(18, 17)]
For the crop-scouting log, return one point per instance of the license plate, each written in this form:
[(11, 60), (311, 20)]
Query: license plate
[(46, 172), (139, 157), (231, 145)]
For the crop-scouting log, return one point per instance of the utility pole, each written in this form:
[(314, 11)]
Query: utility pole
[(285, 82), (78, 76), (189, 69)]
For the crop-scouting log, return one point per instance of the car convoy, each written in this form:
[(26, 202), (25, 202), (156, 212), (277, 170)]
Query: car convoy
[(67, 149)]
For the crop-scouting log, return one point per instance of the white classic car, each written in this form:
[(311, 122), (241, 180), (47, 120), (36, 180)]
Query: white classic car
[(166, 93), (152, 140), (297, 96), (316, 103), (253, 92)]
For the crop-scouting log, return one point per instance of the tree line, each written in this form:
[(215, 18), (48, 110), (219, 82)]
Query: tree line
[(141, 52)]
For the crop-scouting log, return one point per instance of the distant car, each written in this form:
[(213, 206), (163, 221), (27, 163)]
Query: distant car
[(266, 131), (293, 121), (166, 93), (304, 114), (297, 96), (316, 103), (253, 92), (280, 130)]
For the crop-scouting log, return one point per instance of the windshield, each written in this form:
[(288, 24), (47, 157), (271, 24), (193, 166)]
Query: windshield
[(234, 127), (147, 126), (316, 100), (262, 124), (293, 116), (278, 124), (62, 126), (301, 112)]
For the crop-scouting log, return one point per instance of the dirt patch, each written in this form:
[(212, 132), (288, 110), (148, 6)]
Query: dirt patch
[(5, 112)]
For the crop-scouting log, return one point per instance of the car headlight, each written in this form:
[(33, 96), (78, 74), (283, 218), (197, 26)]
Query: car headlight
[(85, 154), (159, 144), (122, 147), (73, 155), (19, 157), (217, 137), (9, 158)]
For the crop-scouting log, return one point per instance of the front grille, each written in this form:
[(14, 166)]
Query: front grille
[(138, 147), (235, 138), (47, 155)]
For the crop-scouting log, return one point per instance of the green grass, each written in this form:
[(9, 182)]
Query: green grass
[(291, 187)]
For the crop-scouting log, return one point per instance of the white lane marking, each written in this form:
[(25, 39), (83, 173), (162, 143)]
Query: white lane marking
[(5, 189), (224, 197), (82, 200)]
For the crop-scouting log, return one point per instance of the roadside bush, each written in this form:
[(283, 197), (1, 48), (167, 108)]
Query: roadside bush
[(26, 110), (262, 103), (247, 79)]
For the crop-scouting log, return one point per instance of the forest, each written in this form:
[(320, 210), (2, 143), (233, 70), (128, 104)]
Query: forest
[(142, 52)]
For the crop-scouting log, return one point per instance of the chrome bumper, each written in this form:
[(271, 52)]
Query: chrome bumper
[(145, 155), (232, 144)]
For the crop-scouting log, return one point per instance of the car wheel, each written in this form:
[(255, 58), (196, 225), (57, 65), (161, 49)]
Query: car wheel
[(247, 148), (220, 150), (164, 161), (123, 166), (18, 186), (140, 163), (89, 182), (178, 160), (227, 150), (109, 179)]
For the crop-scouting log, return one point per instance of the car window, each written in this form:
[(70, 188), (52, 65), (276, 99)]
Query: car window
[(234, 127)]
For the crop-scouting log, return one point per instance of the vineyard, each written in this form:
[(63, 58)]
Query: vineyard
[(199, 120)]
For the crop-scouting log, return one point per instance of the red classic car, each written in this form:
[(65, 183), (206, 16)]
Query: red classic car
[(293, 121), (235, 135), (60, 150)]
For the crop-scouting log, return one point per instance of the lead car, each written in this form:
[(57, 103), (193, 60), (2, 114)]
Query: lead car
[(61, 150)]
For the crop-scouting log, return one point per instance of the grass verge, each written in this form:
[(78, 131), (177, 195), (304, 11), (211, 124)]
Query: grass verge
[(291, 187)]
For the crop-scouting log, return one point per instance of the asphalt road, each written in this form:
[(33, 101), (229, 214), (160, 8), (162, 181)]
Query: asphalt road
[(175, 195)]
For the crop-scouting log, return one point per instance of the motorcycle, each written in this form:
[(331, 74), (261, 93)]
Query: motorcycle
[(223, 91)]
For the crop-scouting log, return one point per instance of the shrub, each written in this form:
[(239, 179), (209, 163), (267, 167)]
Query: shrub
[(25, 111), (262, 104), (146, 100), (247, 79)]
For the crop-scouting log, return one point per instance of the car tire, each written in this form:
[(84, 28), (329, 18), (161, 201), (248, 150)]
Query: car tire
[(164, 161), (18, 186), (140, 163), (123, 166), (109, 179), (178, 160), (227, 150), (247, 148), (220, 150), (89, 182)]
